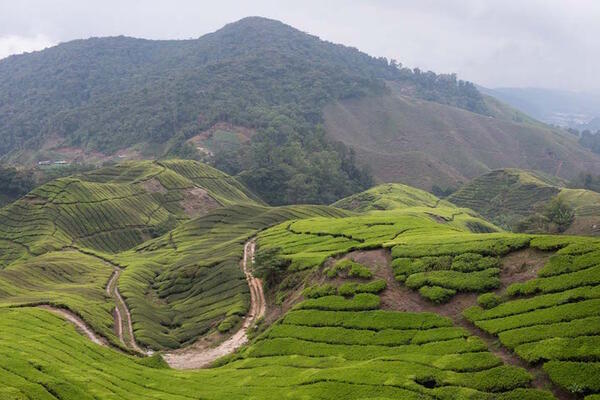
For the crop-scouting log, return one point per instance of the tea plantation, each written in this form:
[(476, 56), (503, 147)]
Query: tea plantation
[(407, 299)]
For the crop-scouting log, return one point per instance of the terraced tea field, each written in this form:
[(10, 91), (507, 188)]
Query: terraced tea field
[(423, 357), (554, 319), (414, 298), (115, 208)]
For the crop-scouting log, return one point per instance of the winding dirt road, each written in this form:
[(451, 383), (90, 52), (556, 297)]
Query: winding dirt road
[(122, 314), (78, 322), (198, 355)]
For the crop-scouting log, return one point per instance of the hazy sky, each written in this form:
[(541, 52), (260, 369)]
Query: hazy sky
[(527, 43)]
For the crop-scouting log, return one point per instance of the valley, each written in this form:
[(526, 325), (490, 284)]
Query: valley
[(259, 213)]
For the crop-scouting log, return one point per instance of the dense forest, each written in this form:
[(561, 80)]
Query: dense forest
[(105, 94)]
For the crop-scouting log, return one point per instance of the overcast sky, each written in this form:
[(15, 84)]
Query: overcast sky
[(521, 43)]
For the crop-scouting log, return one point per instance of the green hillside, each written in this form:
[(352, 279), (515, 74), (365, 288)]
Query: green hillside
[(114, 208), (412, 298), (427, 145), (185, 284), (517, 199), (389, 196)]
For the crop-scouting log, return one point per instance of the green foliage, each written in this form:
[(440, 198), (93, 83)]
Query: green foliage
[(559, 213), (463, 282), (436, 294), (576, 377), (312, 292), (308, 361), (348, 268), (269, 266), (352, 288), (228, 323), (361, 301), (489, 300), (469, 262)]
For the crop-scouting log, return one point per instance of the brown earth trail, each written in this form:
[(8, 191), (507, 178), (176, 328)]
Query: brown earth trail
[(199, 354)]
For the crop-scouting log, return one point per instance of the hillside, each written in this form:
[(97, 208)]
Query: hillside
[(123, 98), (411, 298), (389, 196), (516, 199), (425, 144), (115, 208)]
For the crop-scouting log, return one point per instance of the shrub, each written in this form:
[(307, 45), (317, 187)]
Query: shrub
[(361, 301), (469, 262), (351, 288), (489, 300), (228, 323), (350, 269), (559, 213), (577, 377), (269, 266), (460, 281), (313, 292), (436, 294)]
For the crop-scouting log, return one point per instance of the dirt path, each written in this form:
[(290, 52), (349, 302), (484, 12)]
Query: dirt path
[(78, 322), (122, 315), (199, 354)]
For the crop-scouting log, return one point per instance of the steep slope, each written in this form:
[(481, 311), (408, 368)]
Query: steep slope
[(425, 144), (509, 197)]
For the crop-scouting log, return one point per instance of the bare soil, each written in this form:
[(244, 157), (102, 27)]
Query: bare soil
[(201, 354), (78, 322), (154, 186), (197, 202)]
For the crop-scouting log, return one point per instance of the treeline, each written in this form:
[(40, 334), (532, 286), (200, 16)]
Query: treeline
[(14, 183)]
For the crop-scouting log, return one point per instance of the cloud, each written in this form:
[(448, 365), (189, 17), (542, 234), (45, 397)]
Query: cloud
[(14, 44), (544, 43)]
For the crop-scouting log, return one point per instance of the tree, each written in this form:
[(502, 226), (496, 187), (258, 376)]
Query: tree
[(559, 213)]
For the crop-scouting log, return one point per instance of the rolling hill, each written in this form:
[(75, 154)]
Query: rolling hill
[(511, 197), (402, 295)]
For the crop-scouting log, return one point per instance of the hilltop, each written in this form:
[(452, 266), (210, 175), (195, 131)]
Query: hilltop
[(517, 199), (296, 118)]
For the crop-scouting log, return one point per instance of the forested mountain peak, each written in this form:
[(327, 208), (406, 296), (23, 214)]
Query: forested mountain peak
[(151, 97)]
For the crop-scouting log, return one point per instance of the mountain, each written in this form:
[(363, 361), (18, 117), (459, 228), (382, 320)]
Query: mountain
[(141, 98), (519, 200), (297, 119), (427, 144), (559, 107)]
